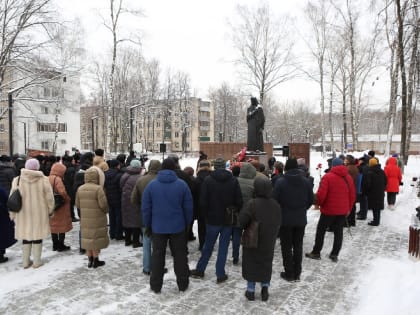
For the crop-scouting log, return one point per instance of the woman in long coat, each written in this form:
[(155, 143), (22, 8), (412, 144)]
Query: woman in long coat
[(32, 221), (60, 222), (131, 218), (7, 227), (91, 200), (373, 185), (393, 180), (257, 262)]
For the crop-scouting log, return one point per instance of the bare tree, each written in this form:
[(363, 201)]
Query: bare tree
[(229, 106), (116, 11), (265, 50)]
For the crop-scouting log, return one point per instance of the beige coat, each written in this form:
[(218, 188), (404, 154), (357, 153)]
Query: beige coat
[(91, 200), (61, 220), (32, 221)]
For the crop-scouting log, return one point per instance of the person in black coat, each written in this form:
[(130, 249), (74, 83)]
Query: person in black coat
[(294, 194), (362, 197), (219, 191), (257, 263), (69, 182), (7, 173), (374, 187), (7, 227), (113, 195), (203, 171)]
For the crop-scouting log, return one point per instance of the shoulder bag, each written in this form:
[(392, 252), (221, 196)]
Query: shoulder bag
[(249, 237), (58, 199), (14, 203)]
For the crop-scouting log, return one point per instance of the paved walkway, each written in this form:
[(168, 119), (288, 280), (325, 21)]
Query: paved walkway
[(65, 285)]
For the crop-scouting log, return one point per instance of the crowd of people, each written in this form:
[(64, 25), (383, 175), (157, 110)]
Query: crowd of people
[(118, 199)]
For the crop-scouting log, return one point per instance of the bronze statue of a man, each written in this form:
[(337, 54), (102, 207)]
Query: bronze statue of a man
[(255, 119)]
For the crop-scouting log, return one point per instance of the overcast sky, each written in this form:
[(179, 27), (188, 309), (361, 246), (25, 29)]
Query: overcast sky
[(187, 35)]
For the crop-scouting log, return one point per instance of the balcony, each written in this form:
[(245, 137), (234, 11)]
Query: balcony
[(205, 108)]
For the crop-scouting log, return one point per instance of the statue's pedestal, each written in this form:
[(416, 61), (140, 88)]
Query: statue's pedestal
[(259, 156)]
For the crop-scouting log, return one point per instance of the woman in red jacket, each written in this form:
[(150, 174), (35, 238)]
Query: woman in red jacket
[(393, 179), (336, 196)]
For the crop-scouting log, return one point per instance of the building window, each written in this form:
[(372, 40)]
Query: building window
[(188, 144), (158, 134), (50, 127), (45, 145), (47, 92), (1, 127), (2, 146), (203, 133), (176, 134), (44, 110)]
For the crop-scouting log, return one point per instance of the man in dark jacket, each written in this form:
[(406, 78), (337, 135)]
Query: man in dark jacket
[(113, 195), (204, 170), (7, 173), (136, 196), (69, 183), (374, 188), (363, 200), (335, 196), (219, 191), (294, 194), (167, 209)]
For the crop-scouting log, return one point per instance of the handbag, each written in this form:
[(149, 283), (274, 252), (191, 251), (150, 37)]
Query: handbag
[(58, 199), (231, 216), (249, 238), (14, 203)]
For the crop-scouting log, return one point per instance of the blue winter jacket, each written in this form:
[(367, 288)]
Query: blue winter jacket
[(167, 204)]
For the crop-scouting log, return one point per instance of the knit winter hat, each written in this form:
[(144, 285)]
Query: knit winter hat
[(32, 164), (337, 162), (291, 164), (372, 162), (113, 163), (219, 163), (204, 163), (135, 163), (168, 164)]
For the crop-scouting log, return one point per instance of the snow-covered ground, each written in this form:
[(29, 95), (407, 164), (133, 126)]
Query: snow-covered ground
[(374, 275)]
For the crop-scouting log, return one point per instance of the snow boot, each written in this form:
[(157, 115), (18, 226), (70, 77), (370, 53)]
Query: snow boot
[(26, 248), (250, 295), (97, 263), (61, 246), (55, 241), (90, 263), (37, 249), (264, 294)]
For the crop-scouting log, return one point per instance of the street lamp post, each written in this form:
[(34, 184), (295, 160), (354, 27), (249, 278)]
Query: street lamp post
[(131, 113), (10, 101), (93, 131)]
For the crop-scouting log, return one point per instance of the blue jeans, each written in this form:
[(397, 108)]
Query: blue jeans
[(236, 241), (251, 286), (147, 251), (212, 232)]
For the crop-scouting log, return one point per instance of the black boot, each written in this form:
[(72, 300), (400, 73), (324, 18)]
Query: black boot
[(61, 246), (55, 241), (128, 241), (136, 238), (97, 263), (3, 258), (264, 294), (90, 263)]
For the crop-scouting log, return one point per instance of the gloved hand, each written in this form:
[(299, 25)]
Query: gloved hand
[(148, 231)]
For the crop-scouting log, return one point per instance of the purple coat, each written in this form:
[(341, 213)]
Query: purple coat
[(130, 213)]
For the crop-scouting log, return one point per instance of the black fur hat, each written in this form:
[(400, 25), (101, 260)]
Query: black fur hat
[(254, 101)]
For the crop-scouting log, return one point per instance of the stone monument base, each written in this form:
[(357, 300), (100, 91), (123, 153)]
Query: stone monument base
[(261, 157)]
